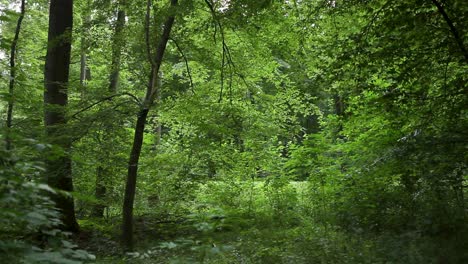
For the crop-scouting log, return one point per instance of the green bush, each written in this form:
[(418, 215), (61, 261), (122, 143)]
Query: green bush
[(29, 223)]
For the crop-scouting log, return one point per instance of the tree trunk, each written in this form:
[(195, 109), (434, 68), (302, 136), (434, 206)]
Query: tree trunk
[(59, 173), (85, 73), (158, 130), (100, 192), (11, 88), (151, 94), (130, 187), (102, 172), (117, 44)]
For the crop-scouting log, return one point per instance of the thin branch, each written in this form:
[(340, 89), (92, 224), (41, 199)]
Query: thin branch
[(453, 29), (226, 51), (375, 16), (107, 98), (186, 63), (213, 13)]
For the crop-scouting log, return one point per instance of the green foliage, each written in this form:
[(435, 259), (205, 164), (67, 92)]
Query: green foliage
[(30, 225), (283, 132)]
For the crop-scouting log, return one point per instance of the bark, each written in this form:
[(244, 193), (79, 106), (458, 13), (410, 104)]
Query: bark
[(59, 174), (11, 88), (130, 186), (151, 94)]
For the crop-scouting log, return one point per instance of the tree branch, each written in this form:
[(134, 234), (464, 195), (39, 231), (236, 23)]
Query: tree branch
[(107, 98), (226, 54), (453, 29), (186, 63)]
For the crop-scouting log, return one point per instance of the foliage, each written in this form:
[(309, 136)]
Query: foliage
[(282, 132), (30, 225)]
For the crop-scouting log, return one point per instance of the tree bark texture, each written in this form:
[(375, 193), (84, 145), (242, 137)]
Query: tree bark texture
[(11, 87), (151, 94), (58, 170)]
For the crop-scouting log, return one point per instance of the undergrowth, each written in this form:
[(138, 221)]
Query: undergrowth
[(261, 225)]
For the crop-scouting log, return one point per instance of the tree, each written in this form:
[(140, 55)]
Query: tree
[(102, 171), (317, 122), (11, 87), (151, 95), (56, 74), (117, 43), (85, 72), (398, 142)]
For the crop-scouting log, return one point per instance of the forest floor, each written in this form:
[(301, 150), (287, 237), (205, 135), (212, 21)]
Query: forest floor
[(261, 235)]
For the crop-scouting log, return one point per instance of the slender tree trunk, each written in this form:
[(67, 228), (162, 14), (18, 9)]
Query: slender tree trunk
[(102, 172), (117, 43), (158, 130), (11, 88), (83, 76), (339, 105), (85, 72), (151, 94), (59, 173), (100, 192), (130, 187)]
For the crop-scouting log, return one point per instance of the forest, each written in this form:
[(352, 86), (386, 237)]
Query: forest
[(233, 131)]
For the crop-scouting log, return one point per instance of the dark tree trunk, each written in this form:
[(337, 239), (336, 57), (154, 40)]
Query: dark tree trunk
[(59, 173), (339, 105), (11, 88), (151, 94), (102, 172), (130, 187)]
